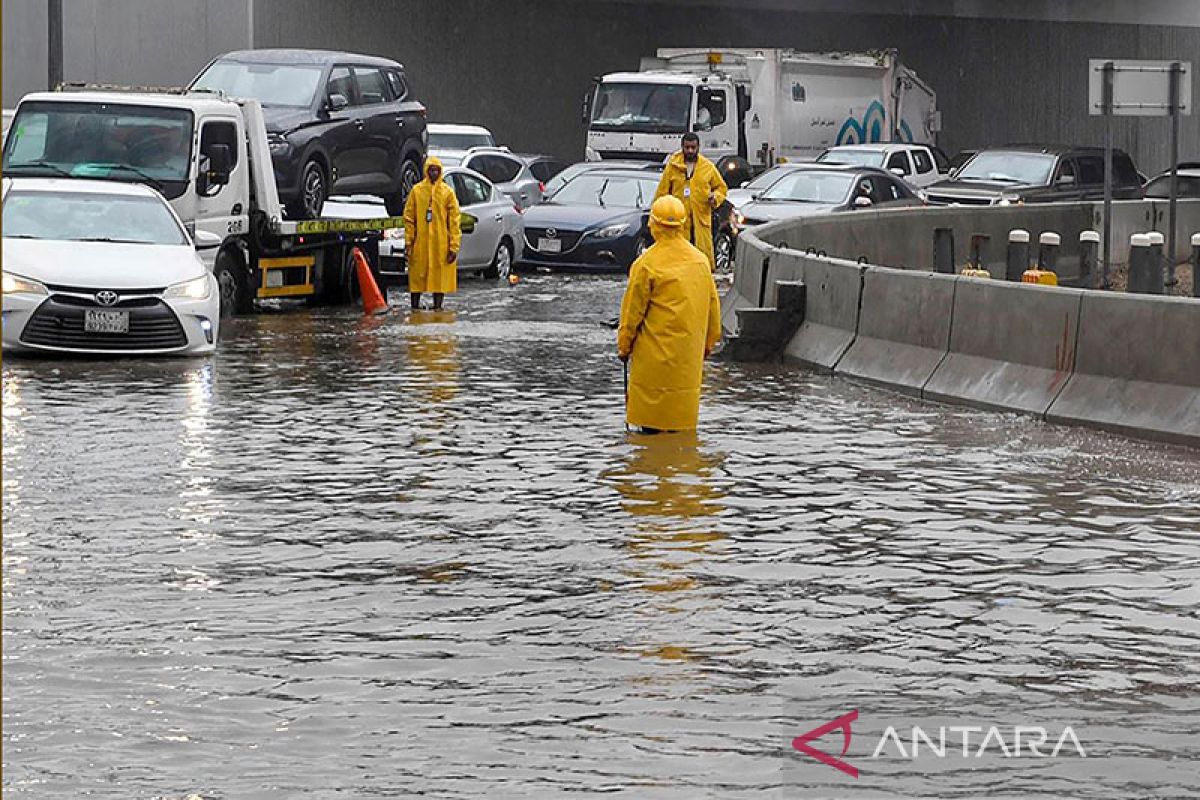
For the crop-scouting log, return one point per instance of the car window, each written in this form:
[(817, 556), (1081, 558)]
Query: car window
[(470, 190), (77, 216), (712, 101), (219, 133), (885, 190), (371, 85), (1124, 173), (1091, 170), (899, 161), (924, 162), (546, 169), (340, 82), (1066, 169), (497, 169), (1186, 186), (396, 80)]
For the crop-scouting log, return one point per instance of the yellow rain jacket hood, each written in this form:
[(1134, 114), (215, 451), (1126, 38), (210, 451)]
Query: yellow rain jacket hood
[(670, 320), (432, 231), (694, 192)]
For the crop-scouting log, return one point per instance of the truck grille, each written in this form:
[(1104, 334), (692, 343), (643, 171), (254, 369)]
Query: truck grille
[(964, 200), (58, 323)]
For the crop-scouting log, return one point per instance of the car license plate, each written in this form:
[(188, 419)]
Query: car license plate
[(105, 321), (549, 245)]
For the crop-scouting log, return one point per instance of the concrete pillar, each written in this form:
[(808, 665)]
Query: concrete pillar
[(1089, 251), (943, 250), (1196, 265), (1157, 263), (1018, 255), (978, 254), (1139, 264), (1048, 244)]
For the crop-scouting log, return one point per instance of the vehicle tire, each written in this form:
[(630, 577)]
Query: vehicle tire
[(343, 290), (501, 264), (723, 252), (232, 284), (410, 176), (643, 244), (314, 190)]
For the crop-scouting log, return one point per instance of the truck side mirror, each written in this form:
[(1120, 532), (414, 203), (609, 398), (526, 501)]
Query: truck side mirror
[(220, 164), (587, 109)]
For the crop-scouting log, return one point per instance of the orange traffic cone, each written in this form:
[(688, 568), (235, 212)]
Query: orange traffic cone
[(373, 300)]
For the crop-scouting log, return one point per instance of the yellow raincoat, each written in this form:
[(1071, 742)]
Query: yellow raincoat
[(706, 178), (432, 230), (670, 320)]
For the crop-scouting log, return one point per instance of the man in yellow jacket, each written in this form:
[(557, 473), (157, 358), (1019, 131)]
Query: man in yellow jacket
[(432, 234), (670, 320), (696, 182)]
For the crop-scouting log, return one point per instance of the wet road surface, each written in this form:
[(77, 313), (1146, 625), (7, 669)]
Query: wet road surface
[(420, 556)]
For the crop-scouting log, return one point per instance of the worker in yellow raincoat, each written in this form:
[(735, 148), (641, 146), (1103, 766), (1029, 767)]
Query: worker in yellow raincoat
[(697, 182), (432, 234), (670, 320)]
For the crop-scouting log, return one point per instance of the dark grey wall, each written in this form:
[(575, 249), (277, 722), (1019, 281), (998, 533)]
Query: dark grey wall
[(521, 68)]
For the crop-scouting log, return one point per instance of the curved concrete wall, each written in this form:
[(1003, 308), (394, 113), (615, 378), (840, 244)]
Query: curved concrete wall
[(1125, 363)]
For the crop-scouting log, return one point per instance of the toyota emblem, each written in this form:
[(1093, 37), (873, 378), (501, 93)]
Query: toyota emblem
[(551, 233), (107, 298)]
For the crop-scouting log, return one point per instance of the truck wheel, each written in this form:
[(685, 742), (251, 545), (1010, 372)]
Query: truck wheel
[(234, 288), (501, 264), (314, 189), (410, 176), (343, 288)]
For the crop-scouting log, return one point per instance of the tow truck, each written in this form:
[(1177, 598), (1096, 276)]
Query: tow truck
[(208, 155)]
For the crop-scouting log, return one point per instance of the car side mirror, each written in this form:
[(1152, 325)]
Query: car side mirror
[(898, 172), (206, 240), (336, 102), (862, 202), (1065, 180)]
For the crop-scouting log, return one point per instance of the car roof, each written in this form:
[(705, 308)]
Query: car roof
[(1047, 149), (455, 127), (80, 186), (287, 55), (617, 172), (874, 146)]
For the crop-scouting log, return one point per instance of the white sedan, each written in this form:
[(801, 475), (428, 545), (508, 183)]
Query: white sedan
[(99, 267)]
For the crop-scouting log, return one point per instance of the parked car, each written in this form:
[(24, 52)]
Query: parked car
[(913, 162), (1187, 183), (960, 158), (573, 170), (492, 227), (451, 142), (1036, 174), (596, 221), (337, 123), (521, 177), (102, 267), (826, 188), (9, 113)]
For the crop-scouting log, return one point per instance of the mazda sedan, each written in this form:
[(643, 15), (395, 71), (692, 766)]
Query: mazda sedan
[(102, 268), (595, 222)]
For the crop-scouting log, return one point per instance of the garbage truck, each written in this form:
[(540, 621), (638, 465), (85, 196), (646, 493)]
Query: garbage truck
[(754, 108)]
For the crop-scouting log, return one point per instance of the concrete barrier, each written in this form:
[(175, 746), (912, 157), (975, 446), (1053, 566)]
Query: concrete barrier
[(749, 256), (1137, 369), (831, 312), (903, 328), (1012, 347)]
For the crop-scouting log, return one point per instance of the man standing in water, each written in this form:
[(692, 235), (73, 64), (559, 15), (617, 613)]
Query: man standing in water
[(432, 234), (697, 183), (670, 321)]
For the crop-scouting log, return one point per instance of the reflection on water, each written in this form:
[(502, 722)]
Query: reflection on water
[(417, 554)]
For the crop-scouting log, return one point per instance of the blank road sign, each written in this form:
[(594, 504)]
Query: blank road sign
[(1140, 88)]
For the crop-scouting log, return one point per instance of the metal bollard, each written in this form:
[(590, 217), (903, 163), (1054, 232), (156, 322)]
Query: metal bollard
[(1018, 254), (1196, 265), (943, 250), (1139, 264), (1157, 263), (1089, 254), (1048, 244)]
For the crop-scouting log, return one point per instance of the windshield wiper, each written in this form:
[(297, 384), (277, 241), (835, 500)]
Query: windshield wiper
[(155, 182), (57, 170), (110, 240)]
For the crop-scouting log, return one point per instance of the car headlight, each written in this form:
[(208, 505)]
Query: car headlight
[(278, 144), (15, 284), (610, 231), (195, 289)]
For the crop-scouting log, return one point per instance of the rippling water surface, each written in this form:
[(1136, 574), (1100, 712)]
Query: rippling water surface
[(421, 557)]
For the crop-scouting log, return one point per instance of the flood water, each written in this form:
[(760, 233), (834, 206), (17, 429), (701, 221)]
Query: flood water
[(420, 556)]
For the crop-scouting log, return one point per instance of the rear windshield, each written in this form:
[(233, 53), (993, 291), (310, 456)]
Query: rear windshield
[(287, 85), (89, 216)]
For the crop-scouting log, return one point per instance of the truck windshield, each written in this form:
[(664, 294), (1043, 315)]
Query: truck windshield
[(68, 216), (1025, 168), (642, 107), (285, 85), (130, 143)]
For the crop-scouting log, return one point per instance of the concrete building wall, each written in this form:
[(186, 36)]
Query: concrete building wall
[(521, 68)]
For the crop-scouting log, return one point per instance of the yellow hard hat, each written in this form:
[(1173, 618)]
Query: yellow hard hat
[(668, 211)]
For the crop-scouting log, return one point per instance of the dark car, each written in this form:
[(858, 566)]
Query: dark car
[(596, 221), (337, 123), (1035, 174), (1187, 184), (811, 189)]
